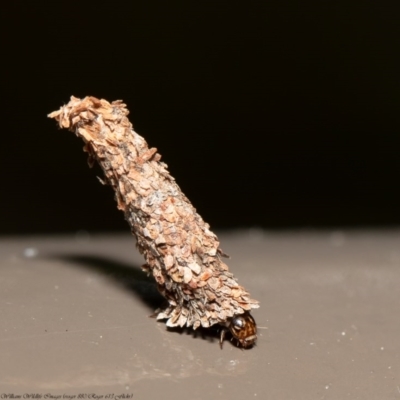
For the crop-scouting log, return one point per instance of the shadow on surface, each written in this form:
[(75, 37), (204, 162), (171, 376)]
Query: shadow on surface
[(133, 279), (129, 277), (211, 335)]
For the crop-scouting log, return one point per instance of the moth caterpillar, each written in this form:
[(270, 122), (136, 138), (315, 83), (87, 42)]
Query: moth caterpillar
[(180, 251)]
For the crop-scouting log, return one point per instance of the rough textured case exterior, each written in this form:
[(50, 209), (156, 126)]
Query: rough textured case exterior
[(180, 251)]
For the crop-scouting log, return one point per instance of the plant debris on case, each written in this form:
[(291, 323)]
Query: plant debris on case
[(180, 251)]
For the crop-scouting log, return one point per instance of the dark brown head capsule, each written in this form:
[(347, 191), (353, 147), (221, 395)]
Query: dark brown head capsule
[(243, 328)]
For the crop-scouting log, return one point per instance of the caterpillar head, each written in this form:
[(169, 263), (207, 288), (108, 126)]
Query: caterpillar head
[(243, 328)]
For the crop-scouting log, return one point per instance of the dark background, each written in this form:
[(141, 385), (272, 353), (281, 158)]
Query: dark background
[(269, 114)]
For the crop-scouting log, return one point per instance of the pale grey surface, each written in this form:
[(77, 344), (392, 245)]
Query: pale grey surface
[(74, 319)]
